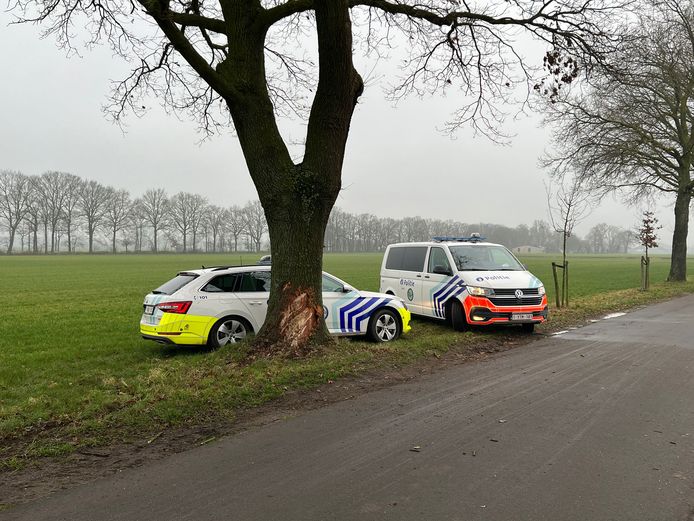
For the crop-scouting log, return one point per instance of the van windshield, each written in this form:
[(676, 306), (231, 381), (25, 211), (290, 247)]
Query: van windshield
[(484, 257)]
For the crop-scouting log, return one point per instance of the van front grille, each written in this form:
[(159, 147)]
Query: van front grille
[(513, 301), (508, 292)]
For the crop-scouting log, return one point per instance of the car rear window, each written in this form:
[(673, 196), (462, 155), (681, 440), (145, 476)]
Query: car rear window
[(172, 286)]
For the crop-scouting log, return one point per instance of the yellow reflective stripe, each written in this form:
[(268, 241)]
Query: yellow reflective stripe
[(405, 315)]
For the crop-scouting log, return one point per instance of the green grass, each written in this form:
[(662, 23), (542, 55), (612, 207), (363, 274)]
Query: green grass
[(75, 372)]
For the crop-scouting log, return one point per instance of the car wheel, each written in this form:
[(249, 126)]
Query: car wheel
[(458, 320), (229, 330), (384, 326), (528, 328)]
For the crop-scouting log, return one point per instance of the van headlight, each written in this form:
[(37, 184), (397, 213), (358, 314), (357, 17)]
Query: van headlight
[(480, 292), (541, 290)]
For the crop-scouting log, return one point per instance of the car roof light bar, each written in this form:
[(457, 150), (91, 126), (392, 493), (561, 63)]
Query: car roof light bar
[(475, 237)]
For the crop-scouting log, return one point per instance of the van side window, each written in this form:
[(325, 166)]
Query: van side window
[(437, 258), (413, 259), (407, 258), (395, 256)]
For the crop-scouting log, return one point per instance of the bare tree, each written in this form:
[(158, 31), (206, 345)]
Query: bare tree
[(215, 217), (34, 213), (138, 222), (647, 237), (568, 204), (255, 223), (631, 127), (53, 189), (155, 208), (597, 237), (185, 215), (240, 56), (92, 206), (15, 199), (197, 211), (117, 213), (235, 224), (70, 207)]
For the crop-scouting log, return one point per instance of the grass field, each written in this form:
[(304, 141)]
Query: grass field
[(74, 371)]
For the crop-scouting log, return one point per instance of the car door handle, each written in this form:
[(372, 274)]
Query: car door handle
[(419, 276), (255, 302), (426, 276)]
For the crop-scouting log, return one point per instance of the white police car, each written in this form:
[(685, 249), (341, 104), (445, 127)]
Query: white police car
[(219, 305), (464, 280)]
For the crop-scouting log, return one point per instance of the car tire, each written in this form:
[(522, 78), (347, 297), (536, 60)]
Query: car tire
[(528, 328), (384, 326), (229, 330), (458, 320)]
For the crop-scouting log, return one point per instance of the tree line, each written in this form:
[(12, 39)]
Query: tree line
[(348, 232), (60, 212)]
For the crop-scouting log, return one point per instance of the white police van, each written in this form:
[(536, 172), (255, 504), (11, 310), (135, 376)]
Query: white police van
[(465, 281)]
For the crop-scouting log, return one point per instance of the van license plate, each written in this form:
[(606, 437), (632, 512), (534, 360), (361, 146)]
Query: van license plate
[(149, 310), (521, 316)]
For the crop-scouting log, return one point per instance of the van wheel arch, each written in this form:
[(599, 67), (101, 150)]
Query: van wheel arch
[(455, 315)]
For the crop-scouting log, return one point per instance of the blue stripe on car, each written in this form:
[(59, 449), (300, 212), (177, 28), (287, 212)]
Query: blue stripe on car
[(449, 294), (441, 292), (354, 312), (357, 324), (345, 309)]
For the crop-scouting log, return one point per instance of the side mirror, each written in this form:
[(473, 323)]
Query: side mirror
[(442, 270), (347, 288)]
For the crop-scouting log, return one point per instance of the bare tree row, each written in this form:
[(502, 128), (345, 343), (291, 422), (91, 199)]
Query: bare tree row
[(348, 232), (58, 211)]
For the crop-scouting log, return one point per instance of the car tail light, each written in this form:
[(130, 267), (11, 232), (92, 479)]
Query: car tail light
[(175, 307)]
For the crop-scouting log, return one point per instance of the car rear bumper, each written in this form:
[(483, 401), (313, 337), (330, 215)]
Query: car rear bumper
[(178, 329)]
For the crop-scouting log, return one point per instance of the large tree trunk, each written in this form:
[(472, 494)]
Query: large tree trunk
[(678, 261), (91, 240), (294, 323), (156, 230), (113, 242)]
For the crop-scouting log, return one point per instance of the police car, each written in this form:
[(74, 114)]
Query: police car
[(221, 305), (464, 280)]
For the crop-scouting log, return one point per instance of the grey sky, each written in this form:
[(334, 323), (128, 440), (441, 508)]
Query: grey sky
[(397, 163)]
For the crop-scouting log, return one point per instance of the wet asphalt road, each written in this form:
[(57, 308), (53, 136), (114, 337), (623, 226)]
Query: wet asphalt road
[(593, 424)]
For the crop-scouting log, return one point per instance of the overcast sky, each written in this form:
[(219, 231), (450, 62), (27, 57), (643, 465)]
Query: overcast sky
[(398, 164)]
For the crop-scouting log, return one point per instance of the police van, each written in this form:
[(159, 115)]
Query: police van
[(465, 281)]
